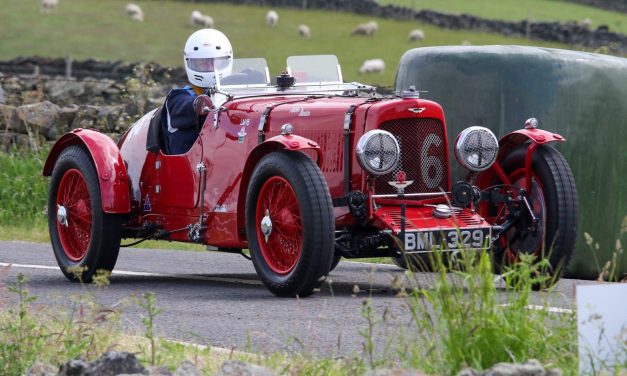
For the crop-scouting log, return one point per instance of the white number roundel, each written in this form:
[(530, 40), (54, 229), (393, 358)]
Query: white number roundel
[(431, 162)]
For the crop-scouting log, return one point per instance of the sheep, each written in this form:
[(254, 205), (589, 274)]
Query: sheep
[(416, 35), (139, 17), (203, 20), (208, 21), (304, 31), (586, 23), (48, 6), (272, 18), (372, 66), (196, 15), (368, 28), (135, 12)]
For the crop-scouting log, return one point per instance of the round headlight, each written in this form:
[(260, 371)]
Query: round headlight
[(378, 152), (476, 148)]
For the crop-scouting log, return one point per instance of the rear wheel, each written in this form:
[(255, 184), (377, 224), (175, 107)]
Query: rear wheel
[(553, 200), (84, 238), (290, 224)]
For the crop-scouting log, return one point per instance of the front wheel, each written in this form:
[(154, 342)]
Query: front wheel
[(84, 238), (289, 224), (553, 200)]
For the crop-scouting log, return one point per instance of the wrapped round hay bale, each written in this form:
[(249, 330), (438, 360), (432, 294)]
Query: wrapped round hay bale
[(582, 96)]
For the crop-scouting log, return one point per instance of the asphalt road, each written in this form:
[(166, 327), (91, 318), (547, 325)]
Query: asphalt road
[(216, 299)]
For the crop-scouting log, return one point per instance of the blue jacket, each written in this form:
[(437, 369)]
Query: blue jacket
[(180, 123)]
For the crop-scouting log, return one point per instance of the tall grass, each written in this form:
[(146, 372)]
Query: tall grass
[(463, 318), (466, 318), (23, 189), (468, 322), (30, 333)]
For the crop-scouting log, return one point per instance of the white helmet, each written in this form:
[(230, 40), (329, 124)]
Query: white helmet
[(207, 52)]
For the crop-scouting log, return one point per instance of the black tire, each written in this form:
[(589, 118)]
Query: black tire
[(556, 239), (301, 188), (335, 262), (91, 239)]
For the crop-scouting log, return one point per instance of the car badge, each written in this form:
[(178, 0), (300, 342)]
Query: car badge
[(241, 135), (417, 110), (300, 111), (147, 206), (401, 182)]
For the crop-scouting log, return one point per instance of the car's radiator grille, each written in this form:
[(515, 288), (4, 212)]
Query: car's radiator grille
[(423, 155), (331, 144)]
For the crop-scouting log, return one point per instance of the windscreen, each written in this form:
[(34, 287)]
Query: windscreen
[(252, 71), (314, 69)]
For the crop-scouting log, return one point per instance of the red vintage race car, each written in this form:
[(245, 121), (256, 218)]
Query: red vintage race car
[(305, 172)]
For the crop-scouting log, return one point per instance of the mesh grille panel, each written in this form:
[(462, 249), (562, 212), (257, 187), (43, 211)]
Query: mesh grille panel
[(423, 155), (331, 143)]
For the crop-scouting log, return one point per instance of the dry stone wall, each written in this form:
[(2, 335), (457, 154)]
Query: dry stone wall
[(93, 69), (619, 5), (35, 108)]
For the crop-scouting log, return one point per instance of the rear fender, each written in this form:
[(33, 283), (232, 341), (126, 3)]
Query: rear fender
[(510, 141), (113, 178), (280, 142)]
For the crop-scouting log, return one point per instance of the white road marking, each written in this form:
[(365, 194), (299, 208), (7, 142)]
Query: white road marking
[(232, 280), (550, 309), (377, 264), (146, 274), (544, 308)]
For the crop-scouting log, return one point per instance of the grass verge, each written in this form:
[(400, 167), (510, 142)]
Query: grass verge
[(462, 318)]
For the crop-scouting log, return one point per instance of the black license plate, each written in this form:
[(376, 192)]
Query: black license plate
[(447, 240)]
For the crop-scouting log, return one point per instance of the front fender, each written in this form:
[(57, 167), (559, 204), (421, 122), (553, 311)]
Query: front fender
[(534, 136), (113, 178), (279, 142), (520, 136)]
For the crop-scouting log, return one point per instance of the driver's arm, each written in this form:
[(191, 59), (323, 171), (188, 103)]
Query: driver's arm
[(181, 110)]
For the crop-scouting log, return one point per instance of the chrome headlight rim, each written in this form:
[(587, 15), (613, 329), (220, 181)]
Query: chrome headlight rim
[(462, 139), (361, 152)]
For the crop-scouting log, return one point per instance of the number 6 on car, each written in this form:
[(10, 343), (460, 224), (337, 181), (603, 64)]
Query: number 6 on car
[(304, 173)]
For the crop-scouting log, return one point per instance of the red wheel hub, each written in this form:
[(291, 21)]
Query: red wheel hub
[(279, 227), (74, 215)]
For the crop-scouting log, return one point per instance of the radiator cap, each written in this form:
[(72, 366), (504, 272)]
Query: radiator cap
[(442, 211)]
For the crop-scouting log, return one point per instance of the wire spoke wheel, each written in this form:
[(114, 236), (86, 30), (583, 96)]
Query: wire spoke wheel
[(84, 238), (518, 240), (553, 201), (75, 232), (289, 224), (282, 249)]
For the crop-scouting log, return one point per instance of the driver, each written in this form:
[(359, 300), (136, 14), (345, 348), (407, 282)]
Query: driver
[(207, 53)]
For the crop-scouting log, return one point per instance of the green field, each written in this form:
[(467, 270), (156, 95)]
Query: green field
[(100, 29), (538, 10)]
